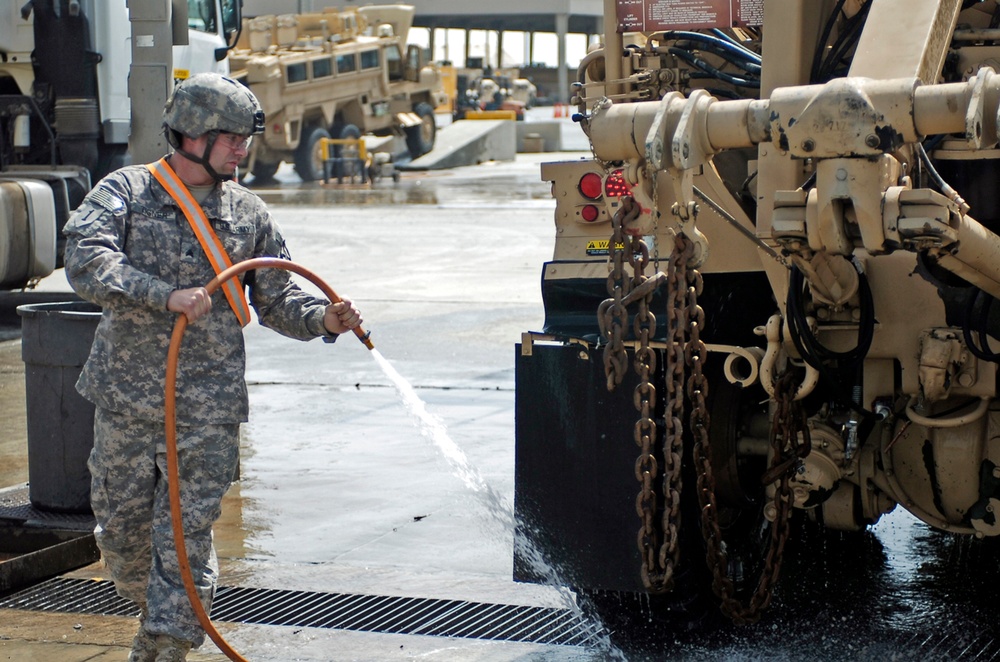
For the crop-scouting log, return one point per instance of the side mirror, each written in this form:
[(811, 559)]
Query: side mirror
[(232, 22)]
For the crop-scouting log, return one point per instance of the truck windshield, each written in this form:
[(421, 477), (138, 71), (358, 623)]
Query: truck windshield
[(394, 62), (202, 17)]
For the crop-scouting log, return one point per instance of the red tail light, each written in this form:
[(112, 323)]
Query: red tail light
[(615, 185), (590, 186), (590, 213)]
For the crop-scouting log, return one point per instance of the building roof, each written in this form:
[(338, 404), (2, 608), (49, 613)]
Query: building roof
[(583, 16)]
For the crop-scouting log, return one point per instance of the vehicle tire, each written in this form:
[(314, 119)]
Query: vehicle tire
[(309, 155), (420, 138), (264, 172), (346, 163), (740, 496)]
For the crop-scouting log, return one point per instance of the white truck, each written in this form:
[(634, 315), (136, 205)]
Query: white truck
[(65, 113)]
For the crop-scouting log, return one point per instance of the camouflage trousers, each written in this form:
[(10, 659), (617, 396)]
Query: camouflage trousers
[(130, 499)]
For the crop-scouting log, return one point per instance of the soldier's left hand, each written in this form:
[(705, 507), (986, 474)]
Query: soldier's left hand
[(341, 317)]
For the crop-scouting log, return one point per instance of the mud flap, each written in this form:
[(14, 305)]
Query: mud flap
[(574, 480)]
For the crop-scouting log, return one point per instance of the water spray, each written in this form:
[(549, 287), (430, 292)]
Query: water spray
[(430, 427), (170, 423)]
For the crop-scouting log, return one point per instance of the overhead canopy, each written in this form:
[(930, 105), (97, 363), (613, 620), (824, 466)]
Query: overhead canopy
[(500, 21), (584, 16), (518, 15)]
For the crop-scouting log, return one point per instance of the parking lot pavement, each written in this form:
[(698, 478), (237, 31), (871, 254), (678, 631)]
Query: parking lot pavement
[(341, 489)]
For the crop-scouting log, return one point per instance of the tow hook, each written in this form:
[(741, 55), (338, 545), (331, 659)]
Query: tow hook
[(773, 334)]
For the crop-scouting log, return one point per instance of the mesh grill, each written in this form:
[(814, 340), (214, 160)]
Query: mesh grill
[(15, 505), (368, 613)]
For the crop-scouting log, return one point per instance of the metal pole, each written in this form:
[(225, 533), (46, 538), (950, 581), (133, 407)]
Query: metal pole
[(613, 46), (562, 27), (151, 73)]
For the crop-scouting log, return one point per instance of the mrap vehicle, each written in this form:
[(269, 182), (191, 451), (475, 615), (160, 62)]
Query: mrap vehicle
[(337, 74), (771, 296)]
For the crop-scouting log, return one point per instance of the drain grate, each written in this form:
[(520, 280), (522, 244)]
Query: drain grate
[(15, 505), (368, 613)]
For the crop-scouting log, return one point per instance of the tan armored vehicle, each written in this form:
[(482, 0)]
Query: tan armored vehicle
[(335, 74), (770, 300)]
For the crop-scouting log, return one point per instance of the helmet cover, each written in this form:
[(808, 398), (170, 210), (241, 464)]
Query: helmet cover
[(212, 102)]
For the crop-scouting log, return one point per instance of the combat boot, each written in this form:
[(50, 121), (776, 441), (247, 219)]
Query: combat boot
[(171, 649), (144, 643), (143, 647)]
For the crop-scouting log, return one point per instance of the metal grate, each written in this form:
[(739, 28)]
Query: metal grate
[(953, 643), (15, 505), (368, 613)]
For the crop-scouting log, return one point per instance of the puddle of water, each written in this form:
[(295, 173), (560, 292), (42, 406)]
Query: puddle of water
[(435, 431)]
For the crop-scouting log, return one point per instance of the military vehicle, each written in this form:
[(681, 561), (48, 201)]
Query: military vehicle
[(771, 296), (337, 74)]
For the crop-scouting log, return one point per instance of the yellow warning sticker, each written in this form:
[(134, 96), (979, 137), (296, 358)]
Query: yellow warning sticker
[(600, 246)]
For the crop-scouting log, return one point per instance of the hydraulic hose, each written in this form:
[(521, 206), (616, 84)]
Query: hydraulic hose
[(980, 325), (170, 424), (817, 355)]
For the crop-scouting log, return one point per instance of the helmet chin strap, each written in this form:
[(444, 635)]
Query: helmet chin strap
[(203, 159)]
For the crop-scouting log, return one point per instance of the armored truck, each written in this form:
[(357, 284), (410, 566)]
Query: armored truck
[(336, 74), (803, 196)]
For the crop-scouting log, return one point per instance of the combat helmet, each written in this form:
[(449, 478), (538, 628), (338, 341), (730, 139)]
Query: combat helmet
[(206, 105), (212, 102)]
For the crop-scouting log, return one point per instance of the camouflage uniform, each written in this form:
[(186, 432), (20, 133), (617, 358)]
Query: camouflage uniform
[(128, 248)]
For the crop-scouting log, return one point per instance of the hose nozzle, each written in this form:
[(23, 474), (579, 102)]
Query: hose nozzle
[(365, 337)]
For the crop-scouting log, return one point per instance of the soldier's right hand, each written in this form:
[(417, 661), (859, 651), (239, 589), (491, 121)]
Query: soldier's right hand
[(194, 302)]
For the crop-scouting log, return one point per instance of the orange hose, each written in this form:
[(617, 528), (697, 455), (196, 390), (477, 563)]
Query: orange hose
[(170, 423)]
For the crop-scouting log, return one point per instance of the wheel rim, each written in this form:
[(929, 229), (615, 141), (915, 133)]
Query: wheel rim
[(317, 158), (427, 129)]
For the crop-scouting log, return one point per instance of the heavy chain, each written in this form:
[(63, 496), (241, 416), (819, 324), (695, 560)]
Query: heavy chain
[(612, 316), (657, 541), (655, 575), (658, 568), (789, 443), (686, 352)]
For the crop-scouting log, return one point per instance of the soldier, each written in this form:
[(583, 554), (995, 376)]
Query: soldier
[(140, 246)]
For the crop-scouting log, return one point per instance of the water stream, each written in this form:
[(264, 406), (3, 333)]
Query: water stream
[(497, 506)]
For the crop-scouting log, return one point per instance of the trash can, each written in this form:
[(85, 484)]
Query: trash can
[(55, 343)]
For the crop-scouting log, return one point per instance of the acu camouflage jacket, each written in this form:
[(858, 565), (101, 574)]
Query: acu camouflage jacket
[(128, 247)]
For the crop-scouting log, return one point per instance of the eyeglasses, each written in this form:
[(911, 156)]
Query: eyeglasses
[(235, 141)]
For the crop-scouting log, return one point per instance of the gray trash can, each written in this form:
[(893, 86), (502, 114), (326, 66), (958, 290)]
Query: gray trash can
[(55, 343)]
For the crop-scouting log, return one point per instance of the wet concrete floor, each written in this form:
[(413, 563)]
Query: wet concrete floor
[(341, 492)]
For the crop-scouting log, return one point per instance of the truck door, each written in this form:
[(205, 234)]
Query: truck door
[(414, 62), (213, 27)]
